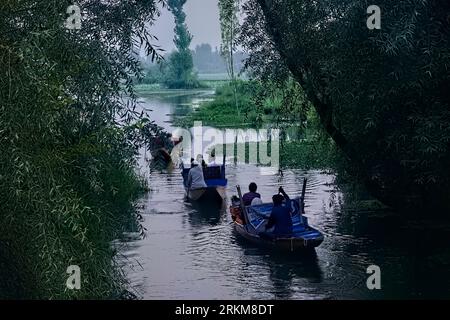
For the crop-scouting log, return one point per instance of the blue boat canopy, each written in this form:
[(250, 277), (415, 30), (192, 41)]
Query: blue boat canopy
[(259, 214), (214, 176)]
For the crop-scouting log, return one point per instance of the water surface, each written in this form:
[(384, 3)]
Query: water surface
[(196, 254)]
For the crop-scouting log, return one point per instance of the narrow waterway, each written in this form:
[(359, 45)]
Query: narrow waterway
[(192, 254)]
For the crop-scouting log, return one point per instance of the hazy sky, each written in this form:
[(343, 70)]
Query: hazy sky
[(202, 18)]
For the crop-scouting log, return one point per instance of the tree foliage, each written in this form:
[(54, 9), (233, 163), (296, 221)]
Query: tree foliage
[(67, 180), (380, 94), (279, 94), (229, 26), (180, 66)]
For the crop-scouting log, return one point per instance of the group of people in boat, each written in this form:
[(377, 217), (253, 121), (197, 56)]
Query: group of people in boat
[(164, 140), (165, 145), (280, 221)]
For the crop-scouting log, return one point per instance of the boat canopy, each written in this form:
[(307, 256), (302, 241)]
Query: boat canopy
[(214, 176), (258, 215)]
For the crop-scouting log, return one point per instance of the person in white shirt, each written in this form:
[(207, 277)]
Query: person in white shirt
[(195, 177), (212, 159), (256, 202), (212, 163)]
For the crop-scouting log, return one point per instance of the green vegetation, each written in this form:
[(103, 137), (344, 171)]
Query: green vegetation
[(261, 103), (221, 111), (311, 149), (213, 77), (67, 168), (268, 105), (229, 26), (178, 73), (378, 93), (305, 154), (157, 76), (209, 61), (308, 154), (156, 90)]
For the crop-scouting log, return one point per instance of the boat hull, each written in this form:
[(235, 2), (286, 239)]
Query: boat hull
[(250, 224), (161, 154), (292, 244), (209, 194)]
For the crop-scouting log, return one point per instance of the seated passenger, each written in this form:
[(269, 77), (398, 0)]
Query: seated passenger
[(201, 160), (195, 177), (212, 159), (176, 141), (280, 217), (249, 196), (256, 202), (177, 149)]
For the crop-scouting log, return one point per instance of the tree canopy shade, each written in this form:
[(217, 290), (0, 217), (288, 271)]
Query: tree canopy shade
[(66, 160), (380, 94)]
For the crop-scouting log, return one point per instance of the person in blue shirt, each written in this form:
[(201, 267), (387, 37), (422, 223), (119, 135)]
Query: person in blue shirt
[(280, 217)]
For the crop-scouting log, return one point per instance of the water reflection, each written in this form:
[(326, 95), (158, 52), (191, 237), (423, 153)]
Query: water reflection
[(285, 271), (201, 214)]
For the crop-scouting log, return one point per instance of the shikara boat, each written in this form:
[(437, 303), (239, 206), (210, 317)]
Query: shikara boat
[(161, 155), (216, 185), (250, 222)]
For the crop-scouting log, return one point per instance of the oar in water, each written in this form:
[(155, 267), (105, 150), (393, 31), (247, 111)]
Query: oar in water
[(244, 210), (303, 195)]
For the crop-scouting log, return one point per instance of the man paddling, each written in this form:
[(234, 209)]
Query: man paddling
[(280, 218), (195, 177)]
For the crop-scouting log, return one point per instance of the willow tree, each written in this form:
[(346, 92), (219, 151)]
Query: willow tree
[(181, 67), (380, 94), (67, 179)]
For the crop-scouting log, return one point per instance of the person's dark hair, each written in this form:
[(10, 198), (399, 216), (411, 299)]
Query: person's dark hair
[(252, 187), (277, 199)]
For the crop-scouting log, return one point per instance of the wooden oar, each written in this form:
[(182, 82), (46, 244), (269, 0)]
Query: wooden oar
[(244, 210), (223, 165), (303, 195)]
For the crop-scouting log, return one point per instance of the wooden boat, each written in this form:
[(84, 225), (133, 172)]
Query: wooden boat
[(216, 185), (164, 148), (250, 222), (161, 155)]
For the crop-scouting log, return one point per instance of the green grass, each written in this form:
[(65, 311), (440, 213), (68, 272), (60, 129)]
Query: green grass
[(156, 90), (306, 154), (213, 84), (160, 90), (225, 111), (309, 155)]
